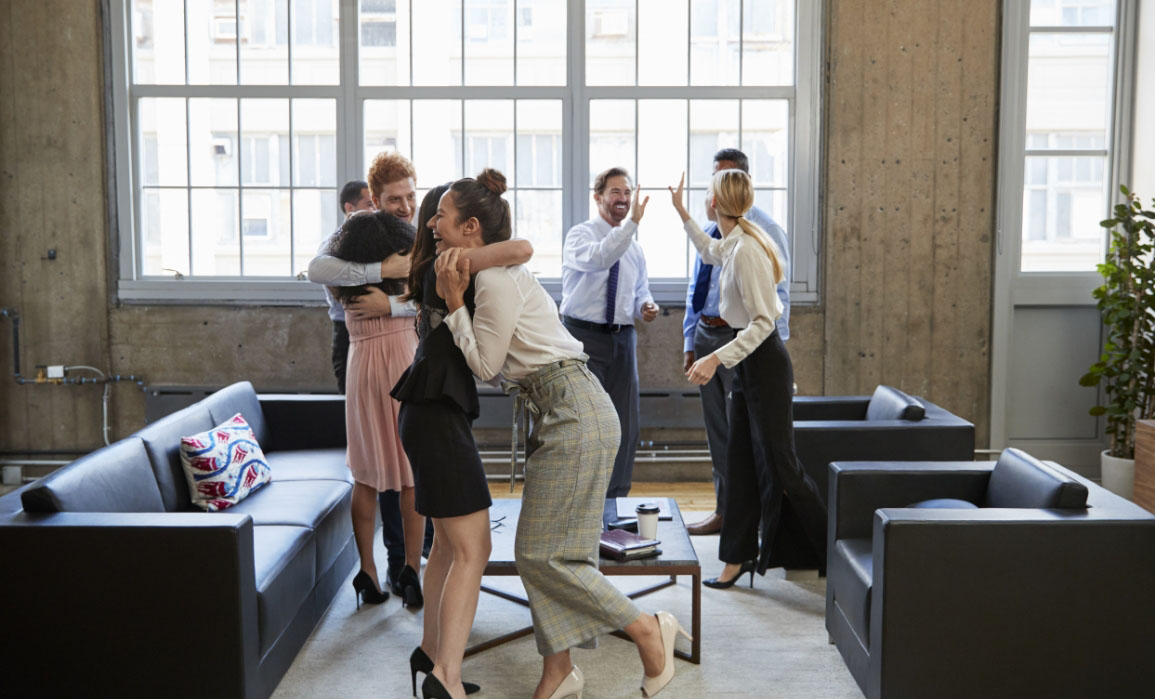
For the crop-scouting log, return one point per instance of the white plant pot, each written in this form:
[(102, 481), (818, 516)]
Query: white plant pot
[(1118, 474)]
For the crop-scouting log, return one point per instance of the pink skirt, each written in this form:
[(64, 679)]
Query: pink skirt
[(380, 350)]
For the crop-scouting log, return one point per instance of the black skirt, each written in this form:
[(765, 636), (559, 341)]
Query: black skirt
[(438, 405)]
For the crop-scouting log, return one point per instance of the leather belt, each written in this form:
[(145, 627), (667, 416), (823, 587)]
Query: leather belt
[(595, 327), (713, 321)]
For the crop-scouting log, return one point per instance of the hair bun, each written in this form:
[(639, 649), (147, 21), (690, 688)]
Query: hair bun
[(492, 180)]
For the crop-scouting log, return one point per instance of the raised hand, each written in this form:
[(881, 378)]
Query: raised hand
[(677, 197), (638, 208)]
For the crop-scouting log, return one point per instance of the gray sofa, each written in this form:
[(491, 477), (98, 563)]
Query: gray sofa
[(123, 588), (1015, 578)]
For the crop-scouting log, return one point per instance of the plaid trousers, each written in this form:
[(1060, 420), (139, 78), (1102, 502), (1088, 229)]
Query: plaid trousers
[(570, 455)]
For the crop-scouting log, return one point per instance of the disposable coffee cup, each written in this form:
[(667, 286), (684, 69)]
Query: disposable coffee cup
[(647, 520)]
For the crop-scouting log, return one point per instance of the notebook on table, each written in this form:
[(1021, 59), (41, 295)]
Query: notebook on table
[(622, 545)]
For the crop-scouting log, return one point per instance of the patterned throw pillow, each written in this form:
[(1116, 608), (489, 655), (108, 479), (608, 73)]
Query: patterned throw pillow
[(223, 465)]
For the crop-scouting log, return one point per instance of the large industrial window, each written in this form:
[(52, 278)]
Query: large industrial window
[(236, 121), (1070, 129)]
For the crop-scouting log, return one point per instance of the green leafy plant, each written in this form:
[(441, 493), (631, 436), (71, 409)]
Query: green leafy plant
[(1126, 301)]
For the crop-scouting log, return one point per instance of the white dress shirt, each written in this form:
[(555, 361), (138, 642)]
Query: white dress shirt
[(333, 271), (747, 296), (514, 330), (591, 248)]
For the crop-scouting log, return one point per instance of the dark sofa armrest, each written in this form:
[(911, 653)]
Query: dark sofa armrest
[(156, 592), (304, 421), (830, 407), (858, 488), (1011, 603)]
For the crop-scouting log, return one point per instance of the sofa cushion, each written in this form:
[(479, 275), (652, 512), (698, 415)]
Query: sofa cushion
[(117, 478), (322, 506), (1021, 480), (851, 573), (310, 465), (892, 404), (241, 398), (162, 441), (223, 465), (284, 558), (944, 504)]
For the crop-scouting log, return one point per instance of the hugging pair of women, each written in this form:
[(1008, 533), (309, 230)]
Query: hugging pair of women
[(481, 316)]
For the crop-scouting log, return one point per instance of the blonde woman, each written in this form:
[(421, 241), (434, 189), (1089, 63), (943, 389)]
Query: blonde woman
[(762, 467)]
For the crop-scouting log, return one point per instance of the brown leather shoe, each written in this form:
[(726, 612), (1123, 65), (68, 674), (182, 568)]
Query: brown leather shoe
[(710, 525)]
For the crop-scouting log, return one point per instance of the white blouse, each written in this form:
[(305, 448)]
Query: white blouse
[(515, 328), (747, 296)]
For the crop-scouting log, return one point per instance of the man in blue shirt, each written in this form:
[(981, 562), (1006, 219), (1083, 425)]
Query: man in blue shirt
[(604, 287), (704, 331)]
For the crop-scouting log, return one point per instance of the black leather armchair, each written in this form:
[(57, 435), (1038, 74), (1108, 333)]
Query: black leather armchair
[(888, 425), (1019, 578)]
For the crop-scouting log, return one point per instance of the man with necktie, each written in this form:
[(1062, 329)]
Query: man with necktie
[(705, 331), (604, 287)]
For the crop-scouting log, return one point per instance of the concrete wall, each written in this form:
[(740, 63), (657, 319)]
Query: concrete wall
[(909, 149)]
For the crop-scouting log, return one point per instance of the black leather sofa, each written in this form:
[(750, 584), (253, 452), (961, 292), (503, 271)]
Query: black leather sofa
[(114, 584), (1037, 584), (888, 425)]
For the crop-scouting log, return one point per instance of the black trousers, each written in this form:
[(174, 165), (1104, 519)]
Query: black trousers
[(392, 532), (763, 474)]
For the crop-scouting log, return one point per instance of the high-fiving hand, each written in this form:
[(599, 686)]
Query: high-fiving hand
[(451, 281), (638, 208), (677, 197)]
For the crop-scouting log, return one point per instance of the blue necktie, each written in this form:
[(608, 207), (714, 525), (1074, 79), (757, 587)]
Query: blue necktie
[(702, 285), (612, 292)]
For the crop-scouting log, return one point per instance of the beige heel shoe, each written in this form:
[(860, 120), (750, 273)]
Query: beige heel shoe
[(571, 687), (670, 628)]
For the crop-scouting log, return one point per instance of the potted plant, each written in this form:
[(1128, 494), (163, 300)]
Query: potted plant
[(1126, 301)]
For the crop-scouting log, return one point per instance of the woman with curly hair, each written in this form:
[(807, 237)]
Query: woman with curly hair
[(380, 349)]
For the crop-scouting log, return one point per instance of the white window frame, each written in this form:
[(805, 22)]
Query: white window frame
[(1013, 287), (133, 287)]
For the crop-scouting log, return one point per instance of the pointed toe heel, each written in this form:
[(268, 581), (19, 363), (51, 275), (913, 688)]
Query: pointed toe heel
[(720, 584), (366, 590), (411, 588), (670, 628), (419, 661), (572, 687)]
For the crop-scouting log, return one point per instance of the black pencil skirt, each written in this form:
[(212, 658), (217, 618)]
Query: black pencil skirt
[(762, 469)]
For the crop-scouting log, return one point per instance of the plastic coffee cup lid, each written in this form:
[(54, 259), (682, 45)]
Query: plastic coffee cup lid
[(647, 508)]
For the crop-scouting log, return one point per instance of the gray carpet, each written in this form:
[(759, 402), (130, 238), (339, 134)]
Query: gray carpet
[(765, 642)]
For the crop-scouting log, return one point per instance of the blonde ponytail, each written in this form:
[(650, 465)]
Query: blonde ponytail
[(755, 231)]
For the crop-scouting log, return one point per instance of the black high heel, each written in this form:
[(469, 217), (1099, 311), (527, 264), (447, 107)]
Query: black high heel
[(366, 589), (419, 661), (719, 584), (432, 688), (411, 588)]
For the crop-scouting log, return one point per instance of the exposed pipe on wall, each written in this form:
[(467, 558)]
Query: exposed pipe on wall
[(42, 378)]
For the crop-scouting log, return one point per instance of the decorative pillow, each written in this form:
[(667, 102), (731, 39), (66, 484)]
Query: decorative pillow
[(223, 465)]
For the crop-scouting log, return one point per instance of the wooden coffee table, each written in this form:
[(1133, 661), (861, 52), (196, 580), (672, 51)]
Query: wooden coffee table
[(677, 558)]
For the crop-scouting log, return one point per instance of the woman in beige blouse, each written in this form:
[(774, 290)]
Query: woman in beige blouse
[(515, 334), (762, 468)]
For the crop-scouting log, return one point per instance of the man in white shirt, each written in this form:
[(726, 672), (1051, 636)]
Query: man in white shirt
[(392, 188), (604, 287)]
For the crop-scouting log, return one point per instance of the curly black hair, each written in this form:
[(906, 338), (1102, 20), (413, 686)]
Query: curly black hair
[(371, 237)]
